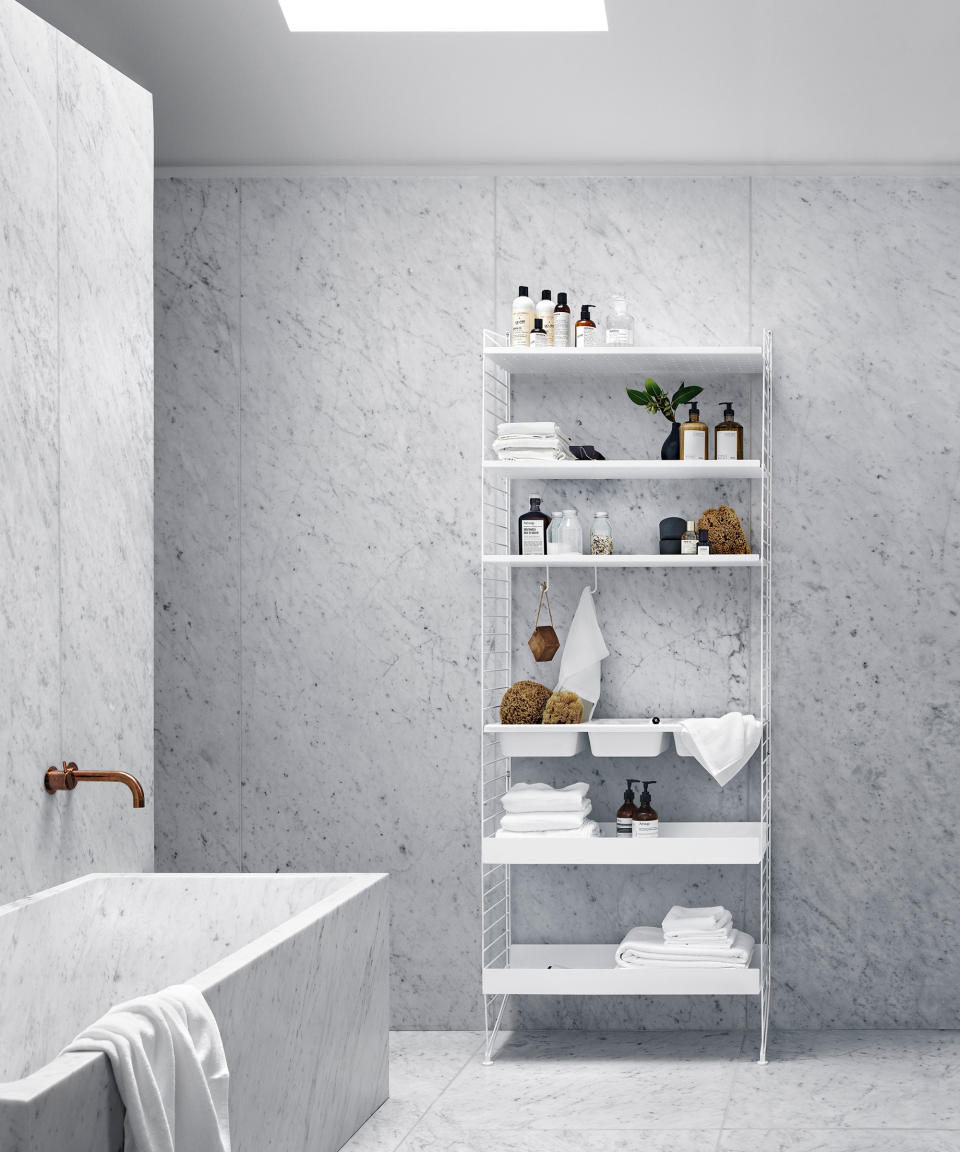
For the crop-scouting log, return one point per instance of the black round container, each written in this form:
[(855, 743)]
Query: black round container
[(670, 547), (672, 528)]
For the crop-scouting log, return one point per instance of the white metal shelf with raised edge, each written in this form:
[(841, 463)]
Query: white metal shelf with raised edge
[(590, 970), (710, 842), (624, 469), (691, 363), (583, 560)]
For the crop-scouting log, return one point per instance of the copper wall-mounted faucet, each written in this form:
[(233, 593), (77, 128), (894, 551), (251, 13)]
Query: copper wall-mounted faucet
[(66, 780)]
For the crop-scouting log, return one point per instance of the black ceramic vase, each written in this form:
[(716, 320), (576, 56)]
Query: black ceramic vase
[(671, 446)]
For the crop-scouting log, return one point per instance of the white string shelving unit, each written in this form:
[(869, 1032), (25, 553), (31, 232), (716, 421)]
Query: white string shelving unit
[(511, 969)]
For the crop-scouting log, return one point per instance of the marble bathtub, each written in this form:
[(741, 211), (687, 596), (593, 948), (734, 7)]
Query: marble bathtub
[(294, 966)]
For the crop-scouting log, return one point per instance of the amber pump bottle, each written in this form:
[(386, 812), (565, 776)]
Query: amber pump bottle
[(561, 322), (728, 436), (585, 333), (694, 437), (627, 812), (646, 822)]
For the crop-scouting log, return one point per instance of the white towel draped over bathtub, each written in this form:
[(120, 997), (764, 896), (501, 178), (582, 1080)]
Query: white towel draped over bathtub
[(170, 1068)]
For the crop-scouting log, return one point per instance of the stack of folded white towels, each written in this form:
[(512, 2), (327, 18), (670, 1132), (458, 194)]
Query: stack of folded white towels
[(539, 810), (688, 937), (535, 440)]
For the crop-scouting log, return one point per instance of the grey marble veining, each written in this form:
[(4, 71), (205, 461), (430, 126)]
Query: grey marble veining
[(106, 454), (362, 304), (29, 523), (198, 525), (859, 280), (362, 301), (76, 509)]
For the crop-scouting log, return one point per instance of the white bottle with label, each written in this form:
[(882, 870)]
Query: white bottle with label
[(545, 313), (523, 317), (620, 325)]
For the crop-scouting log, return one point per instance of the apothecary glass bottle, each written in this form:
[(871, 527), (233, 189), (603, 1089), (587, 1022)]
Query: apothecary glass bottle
[(570, 534), (620, 325), (601, 535)]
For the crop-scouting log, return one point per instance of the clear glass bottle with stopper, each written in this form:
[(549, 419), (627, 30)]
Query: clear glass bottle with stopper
[(601, 535), (620, 325)]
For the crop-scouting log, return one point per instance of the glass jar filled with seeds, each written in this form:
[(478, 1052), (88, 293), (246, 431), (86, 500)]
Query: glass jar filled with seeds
[(601, 535)]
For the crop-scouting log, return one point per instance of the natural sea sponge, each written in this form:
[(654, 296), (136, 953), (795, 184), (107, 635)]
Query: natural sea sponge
[(563, 708), (523, 703), (724, 531)]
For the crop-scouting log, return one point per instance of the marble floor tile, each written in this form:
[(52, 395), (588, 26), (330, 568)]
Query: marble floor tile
[(580, 1080), (890, 1079), (422, 1064), (834, 1140)]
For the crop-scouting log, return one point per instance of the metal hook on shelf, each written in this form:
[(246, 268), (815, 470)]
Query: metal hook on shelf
[(596, 574), (545, 582)]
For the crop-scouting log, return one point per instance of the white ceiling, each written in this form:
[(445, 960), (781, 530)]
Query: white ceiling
[(674, 82)]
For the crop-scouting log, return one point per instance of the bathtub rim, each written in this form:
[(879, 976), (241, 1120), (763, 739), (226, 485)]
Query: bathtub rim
[(28, 1089)]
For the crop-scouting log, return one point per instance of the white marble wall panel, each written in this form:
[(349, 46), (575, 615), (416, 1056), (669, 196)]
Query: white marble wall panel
[(76, 443), (198, 525), (359, 723), (106, 455), (29, 579), (859, 279), (362, 303)]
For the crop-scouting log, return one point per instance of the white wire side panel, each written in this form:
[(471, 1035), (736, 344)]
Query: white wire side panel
[(496, 640), (766, 668)]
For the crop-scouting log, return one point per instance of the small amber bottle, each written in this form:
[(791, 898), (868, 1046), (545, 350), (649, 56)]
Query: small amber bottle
[(728, 436), (646, 822), (626, 813), (694, 437)]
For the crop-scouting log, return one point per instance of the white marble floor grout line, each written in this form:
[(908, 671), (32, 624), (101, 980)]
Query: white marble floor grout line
[(409, 1132), (732, 1084)]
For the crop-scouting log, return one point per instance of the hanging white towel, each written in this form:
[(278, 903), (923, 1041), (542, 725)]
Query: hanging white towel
[(545, 821), (646, 947), (587, 828), (168, 1061), (582, 655), (543, 798), (722, 745), (681, 920)]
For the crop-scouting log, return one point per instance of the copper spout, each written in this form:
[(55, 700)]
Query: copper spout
[(55, 780)]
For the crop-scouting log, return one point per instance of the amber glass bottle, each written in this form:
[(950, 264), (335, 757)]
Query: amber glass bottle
[(694, 437), (728, 436), (627, 812)]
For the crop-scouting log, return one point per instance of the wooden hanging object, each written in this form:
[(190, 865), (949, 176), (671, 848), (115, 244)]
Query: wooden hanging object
[(544, 643)]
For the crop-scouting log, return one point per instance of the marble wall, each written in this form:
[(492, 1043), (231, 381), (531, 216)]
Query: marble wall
[(318, 431), (76, 440)]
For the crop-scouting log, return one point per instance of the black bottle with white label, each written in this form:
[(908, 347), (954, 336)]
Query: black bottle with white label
[(533, 530)]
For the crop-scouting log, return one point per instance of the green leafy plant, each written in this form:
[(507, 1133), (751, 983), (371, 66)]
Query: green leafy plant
[(654, 399)]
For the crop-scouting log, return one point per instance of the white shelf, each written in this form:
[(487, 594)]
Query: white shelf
[(625, 469), (690, 363), (576, 560), (589, 970), (712, 842)]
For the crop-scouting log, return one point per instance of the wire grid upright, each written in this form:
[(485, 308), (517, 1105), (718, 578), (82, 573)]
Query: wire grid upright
[(766, 713), (496, 661)]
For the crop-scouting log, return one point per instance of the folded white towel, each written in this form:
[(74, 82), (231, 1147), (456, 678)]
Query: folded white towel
[(681, 919), (645, 947), (586, 829), (543, 798), (722, 745), (168, 1061), (530, 428), (512, 443), (533, 454), (545, 821), (708, 940)]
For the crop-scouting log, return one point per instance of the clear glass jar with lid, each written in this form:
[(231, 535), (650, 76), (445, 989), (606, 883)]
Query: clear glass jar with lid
[(620, 326), (601, 535), (569, 532)]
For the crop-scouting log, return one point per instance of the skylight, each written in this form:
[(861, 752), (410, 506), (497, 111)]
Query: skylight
[(445, 15)]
